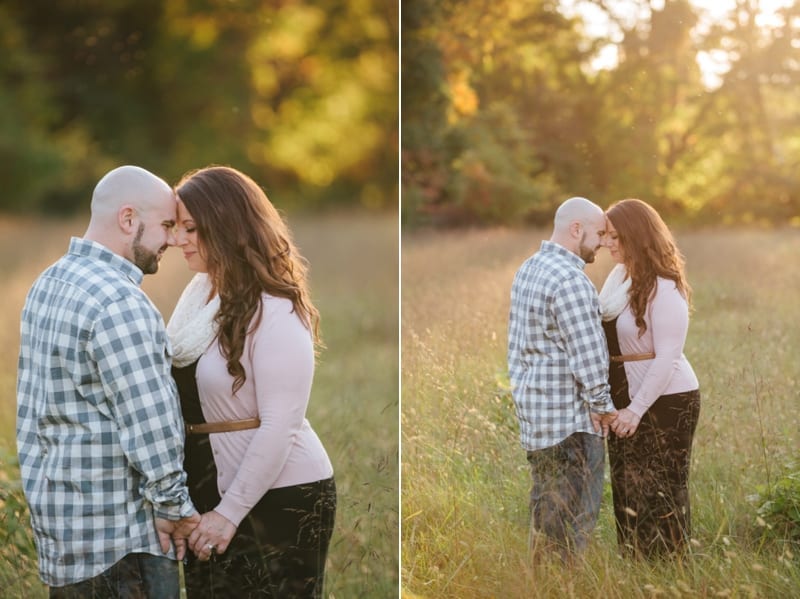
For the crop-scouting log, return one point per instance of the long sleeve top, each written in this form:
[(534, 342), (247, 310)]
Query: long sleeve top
[(278, 360), (557, 353), (667, 318), (99, 428)]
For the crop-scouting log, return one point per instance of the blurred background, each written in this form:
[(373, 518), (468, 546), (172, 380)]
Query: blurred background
[(511, 106), (301, 96)]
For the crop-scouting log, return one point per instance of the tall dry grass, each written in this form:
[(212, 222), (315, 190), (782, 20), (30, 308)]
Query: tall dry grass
[(354, 402), (465, 479)]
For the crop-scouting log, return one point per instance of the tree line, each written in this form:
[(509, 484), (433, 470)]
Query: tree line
[(300, 95), (506, 110)]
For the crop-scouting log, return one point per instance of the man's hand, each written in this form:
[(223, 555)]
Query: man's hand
[(177, 531), (602, 422)]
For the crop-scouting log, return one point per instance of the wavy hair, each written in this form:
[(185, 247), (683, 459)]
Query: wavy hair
[(248, 251), (650, 251)]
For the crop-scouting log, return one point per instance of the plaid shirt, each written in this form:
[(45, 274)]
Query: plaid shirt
[(99, 429), (557, 353)]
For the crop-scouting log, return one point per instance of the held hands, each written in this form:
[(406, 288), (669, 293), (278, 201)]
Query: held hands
[(177, 531), (213, 534), (626, 423), (602, 422)]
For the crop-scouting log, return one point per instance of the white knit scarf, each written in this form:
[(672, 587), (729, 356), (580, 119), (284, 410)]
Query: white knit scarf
[(614, 294), (191, 327)]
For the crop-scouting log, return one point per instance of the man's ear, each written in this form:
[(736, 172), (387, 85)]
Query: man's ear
[(575, 229), (126, 218)]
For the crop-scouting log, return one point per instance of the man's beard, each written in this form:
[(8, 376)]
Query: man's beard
[(586, 254), (146, 260)]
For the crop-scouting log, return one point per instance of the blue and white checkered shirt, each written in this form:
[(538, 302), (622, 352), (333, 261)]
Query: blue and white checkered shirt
[(557, 353), (99, 429)]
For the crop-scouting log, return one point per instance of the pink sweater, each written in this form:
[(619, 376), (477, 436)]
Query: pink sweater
[(667, 319), (278, 360)]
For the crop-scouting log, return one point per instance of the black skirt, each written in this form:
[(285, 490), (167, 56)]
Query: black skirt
[(650, 470)]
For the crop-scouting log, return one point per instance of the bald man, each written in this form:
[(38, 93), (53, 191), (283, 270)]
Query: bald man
[(558, 367), (99, 429), (127, 203)]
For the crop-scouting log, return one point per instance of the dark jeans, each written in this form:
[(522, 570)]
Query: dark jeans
[(567, 486), (135, 576)]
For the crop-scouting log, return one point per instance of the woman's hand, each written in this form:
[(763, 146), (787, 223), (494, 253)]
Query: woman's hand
[(212, 535), (626, 423)]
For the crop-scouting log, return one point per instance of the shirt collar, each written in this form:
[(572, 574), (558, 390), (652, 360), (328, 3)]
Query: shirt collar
[(96, 251), (556, 248)]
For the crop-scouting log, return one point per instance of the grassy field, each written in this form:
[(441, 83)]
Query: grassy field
[(465, 480), (354, 402)]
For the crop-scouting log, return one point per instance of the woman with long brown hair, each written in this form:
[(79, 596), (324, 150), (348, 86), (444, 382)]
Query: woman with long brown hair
[(244, 333), (645, 304)]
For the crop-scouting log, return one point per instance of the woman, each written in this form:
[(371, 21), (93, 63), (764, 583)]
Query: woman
[(243, 335), (645, 305)]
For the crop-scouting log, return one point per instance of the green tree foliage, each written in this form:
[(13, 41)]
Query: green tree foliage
[(520, 115), (424, 157), (468, 154), (301, 95), (758, 174), (37, 158), (651, 105)]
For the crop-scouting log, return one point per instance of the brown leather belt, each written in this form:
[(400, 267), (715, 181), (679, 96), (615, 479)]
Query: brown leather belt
[(633, 357), (228, 426)]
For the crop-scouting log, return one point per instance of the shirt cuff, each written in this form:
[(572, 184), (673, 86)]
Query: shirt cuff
[(175, 512), (601, 407)]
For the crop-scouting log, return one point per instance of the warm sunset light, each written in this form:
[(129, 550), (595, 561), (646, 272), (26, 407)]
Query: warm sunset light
[(509, 106), (624, 14), (713, 64)]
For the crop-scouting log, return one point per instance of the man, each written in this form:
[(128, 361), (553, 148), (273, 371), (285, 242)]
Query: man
[(558, 366), (99, 429)]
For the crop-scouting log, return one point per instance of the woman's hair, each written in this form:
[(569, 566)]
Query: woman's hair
[(248, 251), (649, 250)]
